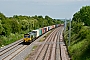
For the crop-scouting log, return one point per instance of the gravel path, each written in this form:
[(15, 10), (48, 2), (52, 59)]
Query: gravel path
[(64, 53)]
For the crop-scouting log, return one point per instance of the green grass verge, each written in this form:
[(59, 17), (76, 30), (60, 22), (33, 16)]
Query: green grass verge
[(34, 47), (79, 48), (10, 39)]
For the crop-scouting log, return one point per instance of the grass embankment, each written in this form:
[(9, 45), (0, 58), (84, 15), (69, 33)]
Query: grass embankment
[(79, 48), (10, 39)]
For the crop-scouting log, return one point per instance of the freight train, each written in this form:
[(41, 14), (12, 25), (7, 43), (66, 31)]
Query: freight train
[(31, 36)]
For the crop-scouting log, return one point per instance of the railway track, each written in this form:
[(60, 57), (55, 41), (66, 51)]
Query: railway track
[(58, 47), (9, 46), (11, 51), (14, 53), (48, 49)]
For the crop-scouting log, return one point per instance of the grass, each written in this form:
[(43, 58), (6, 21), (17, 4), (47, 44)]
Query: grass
[(41, 40), (79, 49), (10, 39), (34, 47)]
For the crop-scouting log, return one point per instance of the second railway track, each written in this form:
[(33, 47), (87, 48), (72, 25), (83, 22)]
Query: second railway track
[(48, 49), (11, 51), (14, 53)]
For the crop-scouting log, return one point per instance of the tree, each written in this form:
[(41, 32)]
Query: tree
[(15, 26), (6, 27), (83, 15), (2, 16), (24, 25), (1, 28)]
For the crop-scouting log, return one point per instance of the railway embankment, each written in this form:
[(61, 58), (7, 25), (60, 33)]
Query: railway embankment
[(79, 48)]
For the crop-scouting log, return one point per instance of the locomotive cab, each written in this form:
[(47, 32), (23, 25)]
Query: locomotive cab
[(27, 38)]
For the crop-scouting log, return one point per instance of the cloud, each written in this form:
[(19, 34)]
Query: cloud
[(58, 0), (47, 0)]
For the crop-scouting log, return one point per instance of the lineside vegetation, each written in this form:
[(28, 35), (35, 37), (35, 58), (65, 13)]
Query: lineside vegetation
[(79, 48), (13, 28)]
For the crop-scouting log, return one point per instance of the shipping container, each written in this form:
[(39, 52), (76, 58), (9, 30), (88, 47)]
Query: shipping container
[(40, 32), (52, 26), (59, 25), (49, 28), (56, 25), (45, 29), (37, 32), (62, 24)]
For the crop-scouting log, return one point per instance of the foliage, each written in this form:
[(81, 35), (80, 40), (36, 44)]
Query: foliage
[(20, 25), (79, 48), (83, 15), (2, 16), (1, 28)]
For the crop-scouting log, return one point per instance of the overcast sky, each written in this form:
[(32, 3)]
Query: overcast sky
[(52, 8)]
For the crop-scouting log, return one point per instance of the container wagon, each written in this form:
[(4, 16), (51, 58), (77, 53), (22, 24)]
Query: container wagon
[(37, 32)]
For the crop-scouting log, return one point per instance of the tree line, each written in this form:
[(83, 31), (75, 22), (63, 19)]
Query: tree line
[(14, 28), (19, 24)]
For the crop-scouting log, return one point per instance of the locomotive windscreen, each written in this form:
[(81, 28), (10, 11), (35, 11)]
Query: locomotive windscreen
[(26, 36)]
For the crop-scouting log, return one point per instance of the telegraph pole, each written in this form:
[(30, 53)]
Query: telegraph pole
[(65, 25), (69, 31)]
